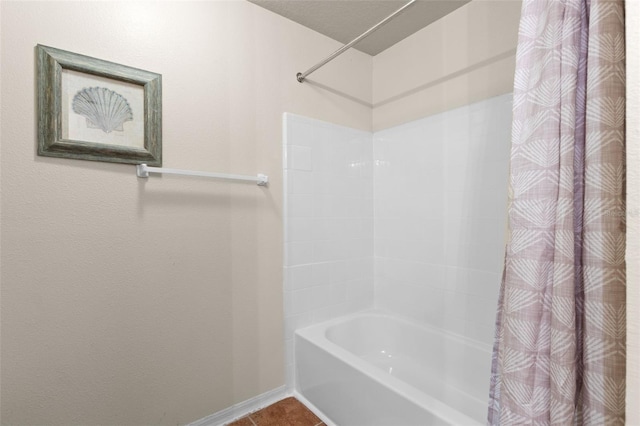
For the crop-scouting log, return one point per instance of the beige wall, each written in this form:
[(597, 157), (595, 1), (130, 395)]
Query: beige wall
[(633, 211), (467, 56), (155, 302)]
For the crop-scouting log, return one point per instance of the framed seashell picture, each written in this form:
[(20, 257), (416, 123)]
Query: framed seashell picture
[(91, 109)]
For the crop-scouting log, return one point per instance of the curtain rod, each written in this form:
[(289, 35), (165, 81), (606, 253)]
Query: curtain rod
[(301, 76)]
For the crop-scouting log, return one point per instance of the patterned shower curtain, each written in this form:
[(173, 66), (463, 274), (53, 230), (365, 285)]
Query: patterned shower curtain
[(559, 353)]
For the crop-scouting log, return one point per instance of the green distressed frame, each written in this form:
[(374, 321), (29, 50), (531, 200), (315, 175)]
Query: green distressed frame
[(50, 63)]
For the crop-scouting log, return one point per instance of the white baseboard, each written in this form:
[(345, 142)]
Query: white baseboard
[(243, 408)]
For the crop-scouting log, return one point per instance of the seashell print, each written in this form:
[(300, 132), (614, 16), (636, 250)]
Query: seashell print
[(103, 108)]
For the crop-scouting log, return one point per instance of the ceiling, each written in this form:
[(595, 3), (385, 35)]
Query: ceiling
[(344, 20)]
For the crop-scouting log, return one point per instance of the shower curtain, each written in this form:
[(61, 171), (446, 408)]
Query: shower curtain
[(559, 353)]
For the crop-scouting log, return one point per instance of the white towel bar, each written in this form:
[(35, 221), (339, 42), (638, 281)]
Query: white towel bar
[(142, 170)]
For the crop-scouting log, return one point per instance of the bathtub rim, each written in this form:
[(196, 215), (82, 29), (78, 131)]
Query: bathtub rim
[(316, 335), (399, 318)]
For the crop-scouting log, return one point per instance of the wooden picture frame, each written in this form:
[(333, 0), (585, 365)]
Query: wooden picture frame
[(90, 109)]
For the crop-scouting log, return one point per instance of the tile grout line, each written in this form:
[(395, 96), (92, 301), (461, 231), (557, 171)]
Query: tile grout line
[(251, 420)]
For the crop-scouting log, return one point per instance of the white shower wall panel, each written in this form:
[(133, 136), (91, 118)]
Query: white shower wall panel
[(440, 194), (328, 188)]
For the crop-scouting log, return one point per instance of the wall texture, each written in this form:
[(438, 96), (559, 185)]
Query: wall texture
[(155, 302), (467, 56)]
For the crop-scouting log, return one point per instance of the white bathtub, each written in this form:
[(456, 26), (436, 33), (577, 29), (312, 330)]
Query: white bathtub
[(372, 369)]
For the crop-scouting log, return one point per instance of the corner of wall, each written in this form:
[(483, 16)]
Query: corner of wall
[(465, 57)]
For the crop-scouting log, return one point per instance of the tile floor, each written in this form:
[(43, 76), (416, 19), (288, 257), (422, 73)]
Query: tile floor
[(288, 412)]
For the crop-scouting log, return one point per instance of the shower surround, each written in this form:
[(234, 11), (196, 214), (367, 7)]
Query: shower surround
[(409, 220), (328, 206), (440, 212)]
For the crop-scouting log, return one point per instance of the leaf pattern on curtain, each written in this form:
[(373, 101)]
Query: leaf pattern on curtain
[(559, 353)]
